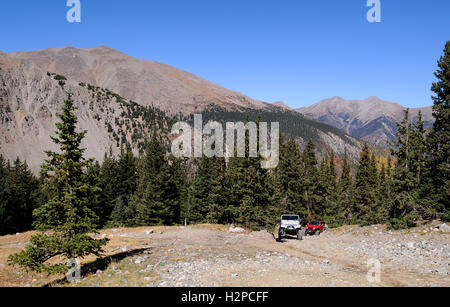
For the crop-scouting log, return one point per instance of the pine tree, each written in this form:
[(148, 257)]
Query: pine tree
[(219, 201), (4, 197), (68, 213), (385, 188), (255, 206), (235, 188), (309, 180), (404, 207), (156, 199), (345, 192), (365, 189), (178, 171), (286, 181), (22, 188), (19, 196), (418, 167), (200, 192), (126, 178), (438, 175), (108, 182), (248, 191), (332, 213), (93, 179), (255, 201)]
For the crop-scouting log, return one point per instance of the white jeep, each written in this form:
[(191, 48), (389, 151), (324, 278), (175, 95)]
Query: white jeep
[(290, 225)]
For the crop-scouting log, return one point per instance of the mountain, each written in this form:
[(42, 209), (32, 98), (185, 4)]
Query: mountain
[(149, 83), (372, 119), (122, 100), (283, 105), (31, 99)]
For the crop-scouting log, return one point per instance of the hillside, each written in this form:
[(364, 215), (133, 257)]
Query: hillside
[(32, 94), (149, 83), (30, 100), (373, 120), (292, 124)]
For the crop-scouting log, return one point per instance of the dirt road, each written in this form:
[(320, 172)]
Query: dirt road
[(208, 255)]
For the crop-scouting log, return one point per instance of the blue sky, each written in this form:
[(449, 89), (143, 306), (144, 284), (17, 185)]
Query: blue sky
[(296, 51)]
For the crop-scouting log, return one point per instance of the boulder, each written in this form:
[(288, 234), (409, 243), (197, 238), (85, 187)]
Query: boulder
[(444, 228), (233, 229)]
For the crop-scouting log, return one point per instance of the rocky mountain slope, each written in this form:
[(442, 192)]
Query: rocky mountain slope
[(149, 83), (30, 100), (373, 120)]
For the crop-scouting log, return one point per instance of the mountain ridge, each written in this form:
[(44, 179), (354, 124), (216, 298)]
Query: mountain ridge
[(32, 95), (372, 119), (148, 82)]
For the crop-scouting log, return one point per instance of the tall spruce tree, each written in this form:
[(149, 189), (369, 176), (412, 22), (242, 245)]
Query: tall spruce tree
[(365, 189), (254, 208), (125, 177), (386, 190), (404, 207), (200, 191), (67, 214), (108, 182), (418, 168), (331, 213), (4, 199), (217, 208), (345, 192), (438, 175), (22, 189), (286, 181), (309, 180), (19, 196), (156, 199), (178, 168)]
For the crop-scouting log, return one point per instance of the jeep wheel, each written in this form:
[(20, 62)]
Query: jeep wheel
[(300, 235), (317, 232), (280, 235)]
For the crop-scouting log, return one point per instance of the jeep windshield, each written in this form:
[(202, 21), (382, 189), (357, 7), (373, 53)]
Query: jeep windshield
[(290, 218), (314, 223)]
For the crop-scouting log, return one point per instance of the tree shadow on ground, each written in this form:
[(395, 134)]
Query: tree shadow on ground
[(99, 264)]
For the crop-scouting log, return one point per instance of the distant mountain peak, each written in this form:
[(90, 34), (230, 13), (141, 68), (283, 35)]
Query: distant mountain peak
[(282, 104), (372, 119)]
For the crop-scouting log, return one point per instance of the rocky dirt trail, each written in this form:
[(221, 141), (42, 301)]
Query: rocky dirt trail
[(209, 255)]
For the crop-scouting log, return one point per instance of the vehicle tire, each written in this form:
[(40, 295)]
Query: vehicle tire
[(280, 235), (317, 233), (300, 235)]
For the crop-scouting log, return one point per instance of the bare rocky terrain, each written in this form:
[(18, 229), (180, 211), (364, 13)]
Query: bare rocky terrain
[(209, 255)]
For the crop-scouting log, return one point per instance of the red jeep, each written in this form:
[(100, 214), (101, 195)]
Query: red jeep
[(315, 228)]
